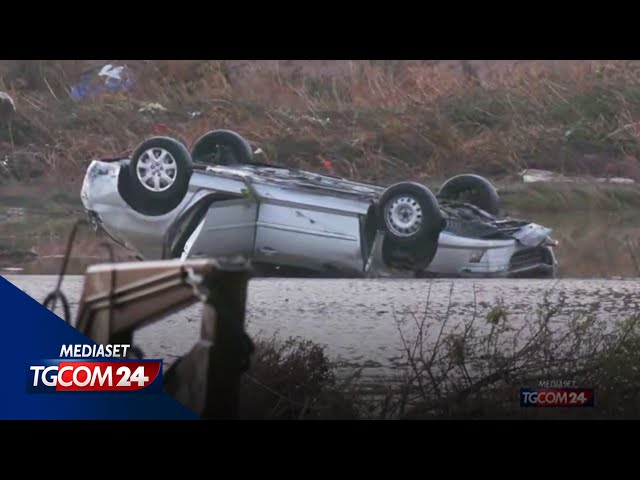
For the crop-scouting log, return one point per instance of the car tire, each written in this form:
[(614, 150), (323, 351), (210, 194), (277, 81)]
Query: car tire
[(410, 214), (473, 189), (222, 147), (158, 175), (411, 218)]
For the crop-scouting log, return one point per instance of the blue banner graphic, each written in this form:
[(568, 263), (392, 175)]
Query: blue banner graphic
[(31, 334)]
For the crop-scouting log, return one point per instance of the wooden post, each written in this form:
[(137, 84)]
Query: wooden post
[(223, 319), (117, 299)]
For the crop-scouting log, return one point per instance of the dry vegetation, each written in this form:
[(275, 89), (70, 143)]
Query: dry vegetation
[(374, 120), (472, 370)]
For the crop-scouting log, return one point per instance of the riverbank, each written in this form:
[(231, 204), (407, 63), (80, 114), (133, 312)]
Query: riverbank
[(371, 120)]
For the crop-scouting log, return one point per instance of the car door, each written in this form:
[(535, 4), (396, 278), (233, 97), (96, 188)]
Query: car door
[(308, 236), (227, 229)]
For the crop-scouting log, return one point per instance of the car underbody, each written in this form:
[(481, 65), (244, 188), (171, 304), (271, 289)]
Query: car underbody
[(293, 222)]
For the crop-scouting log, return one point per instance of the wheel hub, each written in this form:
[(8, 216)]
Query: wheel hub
[(157, 169), (403, 216)]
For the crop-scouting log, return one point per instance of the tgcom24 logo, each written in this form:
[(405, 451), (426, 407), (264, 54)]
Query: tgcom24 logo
[(94, 368), (557, 397)]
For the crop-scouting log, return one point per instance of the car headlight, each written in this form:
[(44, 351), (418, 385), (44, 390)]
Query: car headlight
[(476, 256)]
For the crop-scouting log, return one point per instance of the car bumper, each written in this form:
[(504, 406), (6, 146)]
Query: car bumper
[(528, 262), (495, 259)]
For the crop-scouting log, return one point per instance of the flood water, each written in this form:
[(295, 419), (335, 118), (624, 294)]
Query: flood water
[(595, 244), (366, 325), (592, 244)]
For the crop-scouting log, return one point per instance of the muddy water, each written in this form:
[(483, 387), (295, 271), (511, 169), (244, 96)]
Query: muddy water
[(595, 244), (592, 244), (35, 243), (366, 325)]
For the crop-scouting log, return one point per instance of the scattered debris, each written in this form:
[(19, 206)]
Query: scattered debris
[(109, 79), (15, 211), (323, 122), (112, 73), (195, 114), (616, 180), (533, 175), (152, 108), (12, 214)]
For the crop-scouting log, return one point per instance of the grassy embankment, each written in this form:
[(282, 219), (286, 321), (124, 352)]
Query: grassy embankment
[(378, 121)]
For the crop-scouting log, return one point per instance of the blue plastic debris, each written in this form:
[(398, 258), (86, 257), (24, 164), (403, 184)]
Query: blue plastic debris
[(109, 79)]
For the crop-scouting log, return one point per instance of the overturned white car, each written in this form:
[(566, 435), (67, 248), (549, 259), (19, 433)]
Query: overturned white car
[(218, 201)]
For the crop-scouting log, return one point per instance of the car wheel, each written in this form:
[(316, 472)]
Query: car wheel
[(159, 174), (410, 214), (222, 147), (412, 220), (473, 189)]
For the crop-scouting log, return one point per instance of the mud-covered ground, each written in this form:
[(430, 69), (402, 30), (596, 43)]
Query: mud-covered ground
[(360, 321)]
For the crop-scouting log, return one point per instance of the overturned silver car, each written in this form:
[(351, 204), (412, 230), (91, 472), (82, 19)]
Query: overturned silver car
[(216, 200)]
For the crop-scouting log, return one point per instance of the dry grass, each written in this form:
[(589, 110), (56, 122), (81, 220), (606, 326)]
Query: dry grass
[(375, 120), (293, 380), (468, 370), (475, 370)]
